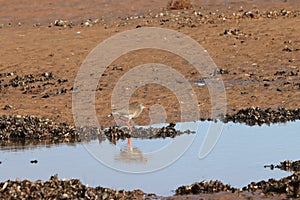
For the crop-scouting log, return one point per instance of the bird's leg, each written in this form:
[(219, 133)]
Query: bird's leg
[(129, 142), (128, 124), (130, 130)]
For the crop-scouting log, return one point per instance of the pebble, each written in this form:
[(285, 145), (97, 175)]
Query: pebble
[(33, 161), (288, 49), (62, 23), (36, 25), (89, 22), (7, 107)]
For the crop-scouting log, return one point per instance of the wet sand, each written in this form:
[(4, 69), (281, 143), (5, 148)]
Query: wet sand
[(255, 44)]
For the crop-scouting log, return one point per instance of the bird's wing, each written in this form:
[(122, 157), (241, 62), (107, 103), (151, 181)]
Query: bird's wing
[(121, 111)]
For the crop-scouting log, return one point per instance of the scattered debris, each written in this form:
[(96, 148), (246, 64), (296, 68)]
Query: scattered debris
[(34, 83)]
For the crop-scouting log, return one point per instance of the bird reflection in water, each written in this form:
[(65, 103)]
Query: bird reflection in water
[(131, 154)]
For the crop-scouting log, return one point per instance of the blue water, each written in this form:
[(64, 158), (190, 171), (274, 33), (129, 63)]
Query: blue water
[(237, 158)]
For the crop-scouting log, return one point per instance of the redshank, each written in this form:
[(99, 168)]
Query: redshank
[(128, 113)]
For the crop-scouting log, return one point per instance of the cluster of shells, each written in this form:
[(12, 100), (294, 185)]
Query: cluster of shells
[(31, 127), (62, 189), (257, 116), (34, 83), (289, 165), (22, 130), (113, 134), (29, 131), (170, 131), (204, 187), (288, 185), (88, 133)]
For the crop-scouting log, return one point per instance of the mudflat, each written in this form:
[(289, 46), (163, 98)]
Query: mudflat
[(255, 45)]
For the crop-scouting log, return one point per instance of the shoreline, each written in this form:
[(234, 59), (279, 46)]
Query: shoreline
[(18, 129)]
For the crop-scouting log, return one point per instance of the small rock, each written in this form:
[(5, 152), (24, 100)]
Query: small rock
[(33, 161), (37, 25), (287, 49), (118, 68), (63, 23), (7, 107)]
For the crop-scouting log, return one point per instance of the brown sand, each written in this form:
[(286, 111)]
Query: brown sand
[(251, 58)]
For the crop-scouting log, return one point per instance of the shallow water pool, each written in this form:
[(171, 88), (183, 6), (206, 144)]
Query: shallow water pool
[(237, 158)]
